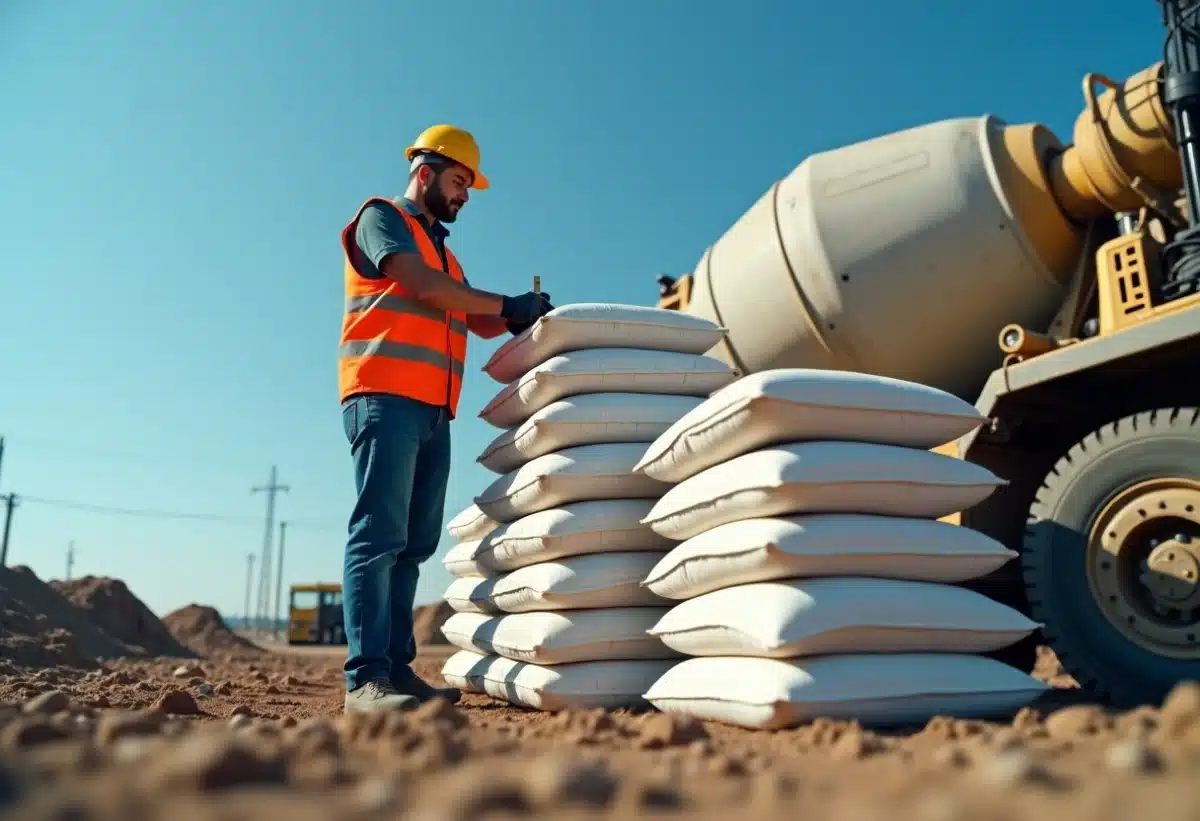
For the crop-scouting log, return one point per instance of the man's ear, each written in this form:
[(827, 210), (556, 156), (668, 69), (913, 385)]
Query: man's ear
[(424, 174)]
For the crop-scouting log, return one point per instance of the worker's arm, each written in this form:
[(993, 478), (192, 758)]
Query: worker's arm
[(487, 327), (384, 238)]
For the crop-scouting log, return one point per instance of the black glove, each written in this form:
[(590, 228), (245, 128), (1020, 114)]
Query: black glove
[(520, 312)]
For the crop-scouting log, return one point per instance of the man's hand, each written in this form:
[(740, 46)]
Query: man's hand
[(522, 311)]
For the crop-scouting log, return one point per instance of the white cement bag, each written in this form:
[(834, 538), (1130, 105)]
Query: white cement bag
[(822, 477), (587, 684), (561, 638), (575, 583), (825, 544), (576, 529), (876, 690), (845, 614), (470, 525), (799, 404), (471, 594), (601, 325), (460, 561), (605, 370), (586, 419), (576, 474), (465, 670)]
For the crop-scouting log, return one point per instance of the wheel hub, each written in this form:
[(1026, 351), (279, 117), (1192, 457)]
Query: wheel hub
[(1144, 565)]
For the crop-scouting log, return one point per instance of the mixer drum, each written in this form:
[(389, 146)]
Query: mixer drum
[(897, 256)]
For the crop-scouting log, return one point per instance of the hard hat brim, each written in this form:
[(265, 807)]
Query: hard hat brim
[(478, 181)]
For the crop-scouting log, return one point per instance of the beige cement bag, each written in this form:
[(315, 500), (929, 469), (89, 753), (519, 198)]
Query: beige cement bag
[(822, 477), (601, 325), (470, 525), (577, 474), (825, 544), (875, 690), (586, 419), (465, 670), (845, 614), (562, 637), (460, 561), (585, 685), (471, 594), (605, 370), (575, 583), (797, 404), (575, 529)]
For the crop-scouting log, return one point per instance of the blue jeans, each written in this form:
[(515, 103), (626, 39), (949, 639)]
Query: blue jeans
[(401, 453)]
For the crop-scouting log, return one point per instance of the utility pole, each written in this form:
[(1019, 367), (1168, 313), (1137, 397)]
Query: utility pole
[(249, 586), (70, 558), (1, 455), (279, 578), (10, 502), (264, 589)]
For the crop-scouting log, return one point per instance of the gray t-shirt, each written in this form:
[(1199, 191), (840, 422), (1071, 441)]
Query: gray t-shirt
[(381, 231)]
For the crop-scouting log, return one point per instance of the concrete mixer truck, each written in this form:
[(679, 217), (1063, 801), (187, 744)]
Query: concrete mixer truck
[(1057, 287)]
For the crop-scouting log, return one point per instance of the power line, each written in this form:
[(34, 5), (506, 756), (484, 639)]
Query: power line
[(154, 513)]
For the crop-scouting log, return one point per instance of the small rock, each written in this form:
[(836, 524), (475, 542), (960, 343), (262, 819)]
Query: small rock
[(1074, 722), (290, 681), (242, 710), (439, 711), (375, 795), (49, 703), (211, 761), (29, 732), (659, 730), (1027, 718), (951, 755), (239, 720), (554, 781), (1132, 756), (118, 725), (287, 721), (1010, 768), (188, 671), (178, 702), (204, 689), (857, 744), (1184, 699)]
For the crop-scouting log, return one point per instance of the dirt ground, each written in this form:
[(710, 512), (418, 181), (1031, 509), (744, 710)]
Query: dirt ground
[(239, 731)]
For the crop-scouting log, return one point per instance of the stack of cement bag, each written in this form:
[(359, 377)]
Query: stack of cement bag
[(550, 611), (811, 575)]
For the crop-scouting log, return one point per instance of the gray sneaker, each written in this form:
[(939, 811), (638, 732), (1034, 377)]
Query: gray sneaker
[(377, 695)]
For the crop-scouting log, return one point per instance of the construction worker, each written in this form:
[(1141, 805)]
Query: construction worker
[(403, 346)]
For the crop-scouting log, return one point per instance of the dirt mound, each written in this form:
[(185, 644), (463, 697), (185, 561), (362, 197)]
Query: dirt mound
[(201, 629), (112, 606), (40, 628), (428, 621)]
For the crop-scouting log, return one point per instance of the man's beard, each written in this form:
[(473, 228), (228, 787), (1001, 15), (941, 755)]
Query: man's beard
[(439, 206)]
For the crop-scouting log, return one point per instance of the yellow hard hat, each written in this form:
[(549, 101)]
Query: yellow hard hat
[(454, 143)]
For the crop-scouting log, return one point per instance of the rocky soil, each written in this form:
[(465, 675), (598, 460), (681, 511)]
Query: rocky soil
[(93, 728)]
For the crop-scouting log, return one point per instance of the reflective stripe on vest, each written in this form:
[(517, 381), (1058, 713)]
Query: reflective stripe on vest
[(393, 343)]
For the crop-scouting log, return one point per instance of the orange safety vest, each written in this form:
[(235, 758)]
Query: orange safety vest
[(393, 343)]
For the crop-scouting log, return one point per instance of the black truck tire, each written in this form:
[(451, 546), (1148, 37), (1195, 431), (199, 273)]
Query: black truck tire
[(1091, 634)]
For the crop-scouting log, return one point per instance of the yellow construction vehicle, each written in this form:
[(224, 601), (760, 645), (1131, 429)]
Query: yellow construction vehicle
[(315, 614), (1055, 286)]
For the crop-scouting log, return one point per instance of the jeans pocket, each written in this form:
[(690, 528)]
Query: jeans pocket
[(350, 423)]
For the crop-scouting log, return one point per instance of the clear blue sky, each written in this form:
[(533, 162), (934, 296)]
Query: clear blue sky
[(174, 177)]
